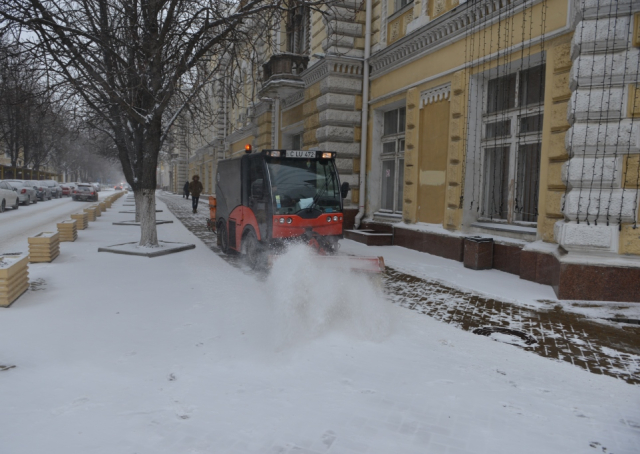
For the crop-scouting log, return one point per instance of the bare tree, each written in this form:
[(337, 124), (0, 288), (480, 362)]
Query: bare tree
[(17, 92), (136, 64)]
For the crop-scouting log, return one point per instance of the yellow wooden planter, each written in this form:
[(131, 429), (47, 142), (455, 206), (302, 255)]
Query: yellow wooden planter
[(68, 230), (98, 210), (82, 220), (44, 247), (108, 202), (103, 206), (14, 277), (91, 212)]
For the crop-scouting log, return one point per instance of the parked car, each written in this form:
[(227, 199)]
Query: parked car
[(85, 191), (54, 187), (65, 189), (97, 186), (8, 197), (43, 192), (26, 192)]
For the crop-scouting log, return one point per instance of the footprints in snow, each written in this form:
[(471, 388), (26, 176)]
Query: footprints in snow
[(349, 383)]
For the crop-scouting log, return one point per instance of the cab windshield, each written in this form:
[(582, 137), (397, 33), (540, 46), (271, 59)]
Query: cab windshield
[(303, 184)]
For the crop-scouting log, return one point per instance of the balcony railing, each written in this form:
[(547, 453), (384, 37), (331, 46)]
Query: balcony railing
[(284, 66)]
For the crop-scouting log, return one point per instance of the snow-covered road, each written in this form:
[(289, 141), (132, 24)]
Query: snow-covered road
[(17, 225)]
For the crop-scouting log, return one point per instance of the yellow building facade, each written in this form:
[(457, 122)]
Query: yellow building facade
[(515, 121)]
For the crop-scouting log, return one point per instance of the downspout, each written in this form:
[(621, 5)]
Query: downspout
[(276, 123), (365, 115)]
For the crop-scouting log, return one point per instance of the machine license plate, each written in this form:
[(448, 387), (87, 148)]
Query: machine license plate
[(300, 154)]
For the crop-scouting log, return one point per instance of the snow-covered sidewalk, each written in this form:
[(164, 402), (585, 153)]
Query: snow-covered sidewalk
[(186, 354)]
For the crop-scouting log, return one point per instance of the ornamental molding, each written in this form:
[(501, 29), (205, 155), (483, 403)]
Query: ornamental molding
[(383, 26), (332, 66), (239, 134), (293, 100), (261, 108), (435, 94), (442, 31)]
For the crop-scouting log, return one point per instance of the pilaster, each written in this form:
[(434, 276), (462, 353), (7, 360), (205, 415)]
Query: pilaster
[(411, 170)]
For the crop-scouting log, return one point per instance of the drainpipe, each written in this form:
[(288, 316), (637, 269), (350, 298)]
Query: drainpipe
[(276, 122), (365, 115)]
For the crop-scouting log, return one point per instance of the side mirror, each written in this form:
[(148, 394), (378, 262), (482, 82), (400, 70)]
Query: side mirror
[(344, 189)]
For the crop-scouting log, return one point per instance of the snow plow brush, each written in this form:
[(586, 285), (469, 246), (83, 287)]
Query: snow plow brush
[(371, 265), (374, 265)]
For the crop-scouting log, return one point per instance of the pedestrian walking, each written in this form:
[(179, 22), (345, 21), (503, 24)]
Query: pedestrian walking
[(195, 187), (185, 189)]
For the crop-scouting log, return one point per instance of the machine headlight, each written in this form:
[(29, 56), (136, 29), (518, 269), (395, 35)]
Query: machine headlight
[(335, 218), (289, 220), (281, 220), (328, 218)]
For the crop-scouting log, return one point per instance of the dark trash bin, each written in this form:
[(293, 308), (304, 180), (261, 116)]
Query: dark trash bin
[(478, 253)]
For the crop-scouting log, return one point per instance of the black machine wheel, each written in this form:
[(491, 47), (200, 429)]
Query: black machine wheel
[(253, 250), (223, 237), (17, 205), (3, 205)]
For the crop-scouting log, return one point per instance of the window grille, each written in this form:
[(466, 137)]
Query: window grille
[(511, 143)]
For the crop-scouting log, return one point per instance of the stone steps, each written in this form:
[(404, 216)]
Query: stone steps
[(369, 237)]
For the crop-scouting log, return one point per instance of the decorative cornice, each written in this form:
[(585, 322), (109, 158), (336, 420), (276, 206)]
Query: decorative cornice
[(261, 108), (239, 134), (453, 25), (293, 100), (435, 94), (332, 65)]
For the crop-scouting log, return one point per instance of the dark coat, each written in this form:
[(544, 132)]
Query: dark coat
[(195, 187), (186, 187)]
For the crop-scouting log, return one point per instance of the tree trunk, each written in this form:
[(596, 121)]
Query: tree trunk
[(137, 196), (147, 210)]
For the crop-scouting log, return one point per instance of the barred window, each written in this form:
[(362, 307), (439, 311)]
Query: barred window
[(511, 143)]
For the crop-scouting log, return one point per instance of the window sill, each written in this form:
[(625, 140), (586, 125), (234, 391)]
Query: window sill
[(511, 228), (387, 216)]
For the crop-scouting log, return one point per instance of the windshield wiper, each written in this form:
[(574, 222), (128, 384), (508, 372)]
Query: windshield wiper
[(316, 198)]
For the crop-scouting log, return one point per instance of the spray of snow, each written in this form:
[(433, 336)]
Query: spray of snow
[(313, 297)]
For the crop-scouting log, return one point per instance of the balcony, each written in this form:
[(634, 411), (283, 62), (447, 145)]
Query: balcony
[(281, 75)]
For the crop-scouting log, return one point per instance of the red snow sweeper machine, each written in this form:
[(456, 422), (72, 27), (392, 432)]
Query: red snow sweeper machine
[(268, 200)]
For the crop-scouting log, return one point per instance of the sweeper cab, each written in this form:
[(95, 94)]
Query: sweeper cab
[(268, 200)]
